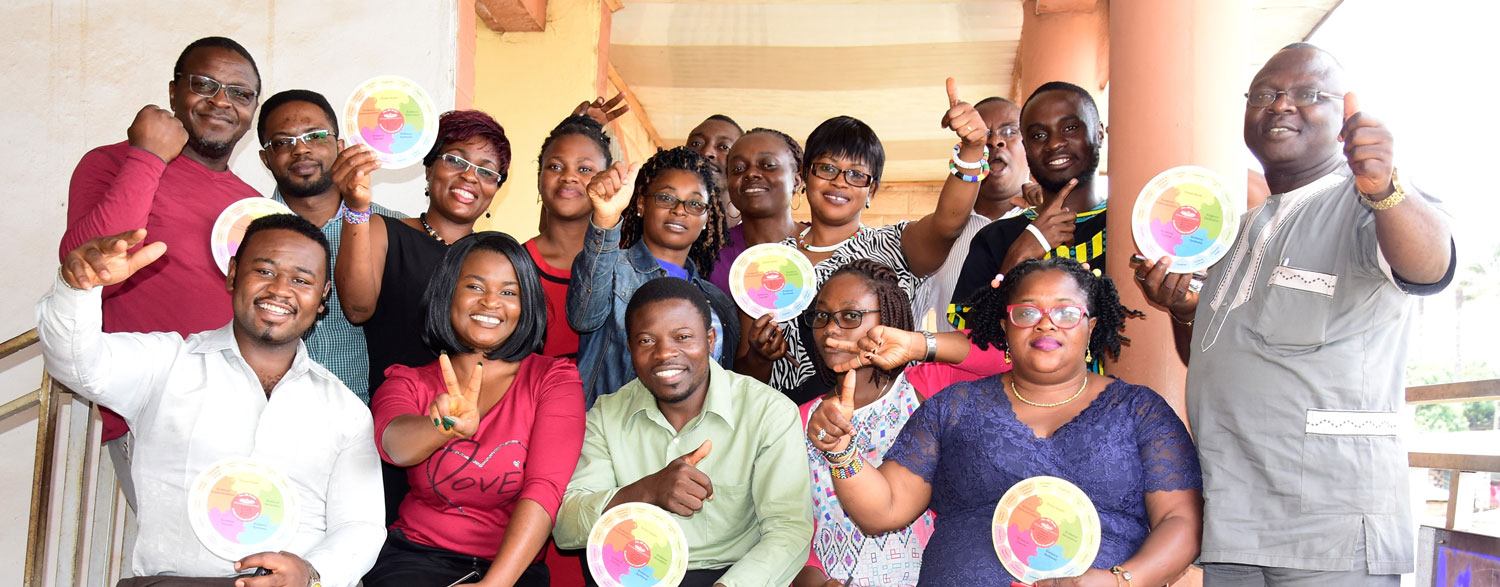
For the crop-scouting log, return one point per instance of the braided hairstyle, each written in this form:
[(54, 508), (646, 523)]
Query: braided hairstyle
[(791, 143), (579, 124), (705, 250), (988, 306), (894, 306)]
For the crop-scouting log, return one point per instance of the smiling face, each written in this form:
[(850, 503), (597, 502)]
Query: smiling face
[(486, 301), (213, 124), (302, 171), (761, 176), (669, 347), (460, 195), (1045, 348), (567, 166), (277, 281), (1062, 139), (1285, 137), (712, 139), (675, 229), (1008, 169), (843, 293), (835, 202)]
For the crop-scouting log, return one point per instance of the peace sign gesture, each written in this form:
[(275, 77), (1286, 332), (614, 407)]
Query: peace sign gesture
[(963, 119), (456, 412)]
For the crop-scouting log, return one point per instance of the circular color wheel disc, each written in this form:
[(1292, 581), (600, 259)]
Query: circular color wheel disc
[(394, 116), (241, 506), (1045, 527), (1186, 213), (772, 278), (224, 239), (637, 545)]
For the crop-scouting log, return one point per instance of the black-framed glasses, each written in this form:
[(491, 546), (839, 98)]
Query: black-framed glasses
[(486, 175), (1300, 97), (1028, 315), (209, 87), (667, 201), (831, 172), (312, 138), (846, 319)]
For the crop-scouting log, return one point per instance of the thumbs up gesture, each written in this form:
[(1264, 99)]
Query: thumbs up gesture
[(679, 487), (1369, 148), (456, 412), (963, 119), (610, 192), (829, 428)]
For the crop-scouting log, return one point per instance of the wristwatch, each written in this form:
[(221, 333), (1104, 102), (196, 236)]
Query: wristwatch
[(313, 578), (1389, 201), (931, 346), (1119, 574)]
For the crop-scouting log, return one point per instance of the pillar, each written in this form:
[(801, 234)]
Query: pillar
[(1177, 73), (1062, 40)]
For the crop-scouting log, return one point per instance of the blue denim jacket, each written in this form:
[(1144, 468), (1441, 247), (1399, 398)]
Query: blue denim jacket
[(604, 278)]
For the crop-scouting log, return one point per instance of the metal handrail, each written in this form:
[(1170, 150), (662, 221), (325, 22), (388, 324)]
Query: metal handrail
[(17, 343)]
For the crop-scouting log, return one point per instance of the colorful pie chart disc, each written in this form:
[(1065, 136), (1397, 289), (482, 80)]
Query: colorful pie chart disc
[(772, 278), (241, 506), (394, 116), (637, 545), (1186, 212), (1045, 527), (229, 229)]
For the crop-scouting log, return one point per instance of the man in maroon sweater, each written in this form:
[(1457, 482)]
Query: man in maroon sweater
[(172, 177)]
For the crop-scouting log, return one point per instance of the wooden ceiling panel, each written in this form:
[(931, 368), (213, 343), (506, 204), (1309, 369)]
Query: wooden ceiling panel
[(800, 68), (814, 24)]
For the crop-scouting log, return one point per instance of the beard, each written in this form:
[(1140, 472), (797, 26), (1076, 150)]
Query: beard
[(210, 149), (312, 188), (1053, 187)]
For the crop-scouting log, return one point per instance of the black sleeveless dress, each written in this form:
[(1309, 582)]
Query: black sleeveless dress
[(393, 334)]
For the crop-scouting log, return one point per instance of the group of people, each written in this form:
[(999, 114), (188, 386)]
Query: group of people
[(455, 406)]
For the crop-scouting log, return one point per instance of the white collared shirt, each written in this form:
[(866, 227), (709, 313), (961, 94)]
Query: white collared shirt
[(193, 402)]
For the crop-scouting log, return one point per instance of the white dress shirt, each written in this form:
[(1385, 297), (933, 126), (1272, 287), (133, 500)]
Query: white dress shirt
[(193, 402)]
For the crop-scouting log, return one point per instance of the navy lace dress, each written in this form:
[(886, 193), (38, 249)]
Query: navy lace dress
[(967, 443)]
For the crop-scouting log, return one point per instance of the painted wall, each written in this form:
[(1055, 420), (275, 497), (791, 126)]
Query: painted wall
[(529, 82), (81, 70)]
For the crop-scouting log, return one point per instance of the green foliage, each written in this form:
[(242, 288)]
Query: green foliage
[(1440, 418)]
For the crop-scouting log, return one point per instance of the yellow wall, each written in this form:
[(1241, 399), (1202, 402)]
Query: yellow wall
[(529, 82)]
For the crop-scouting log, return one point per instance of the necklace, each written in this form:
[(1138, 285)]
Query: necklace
[(802, 241), (1028, 402), (423, 218)]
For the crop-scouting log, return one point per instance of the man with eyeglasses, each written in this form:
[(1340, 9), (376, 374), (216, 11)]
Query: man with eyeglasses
[(999, 194), (1061, 134), (298, 132), (172, 177), (1294, 388)]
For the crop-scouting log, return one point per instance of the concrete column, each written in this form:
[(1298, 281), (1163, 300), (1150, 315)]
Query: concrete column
[(1177, 73), (1066, 40)]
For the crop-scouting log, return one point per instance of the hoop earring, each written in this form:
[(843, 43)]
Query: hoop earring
[(796, 201)]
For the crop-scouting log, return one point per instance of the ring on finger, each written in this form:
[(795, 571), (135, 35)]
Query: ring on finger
[(822, 433), (1139, 277)]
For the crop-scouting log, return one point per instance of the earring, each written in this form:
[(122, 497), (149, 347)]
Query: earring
[(867, 203), (486, 213), (1088, 356), (795, 201), (1007, 356)]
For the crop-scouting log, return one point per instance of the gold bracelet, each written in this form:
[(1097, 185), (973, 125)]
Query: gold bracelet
[(1179, 320), (1120, 573)]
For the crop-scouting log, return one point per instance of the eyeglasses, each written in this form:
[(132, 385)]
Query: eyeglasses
[(1300, 97), (209, 87), (486, 175), (1028, 315), (312, 138), (846, 319), (666, 201), (831, 172), (1005, 131)]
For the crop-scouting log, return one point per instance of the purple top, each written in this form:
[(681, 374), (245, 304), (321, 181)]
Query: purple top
[(967, 443), (734, 244)]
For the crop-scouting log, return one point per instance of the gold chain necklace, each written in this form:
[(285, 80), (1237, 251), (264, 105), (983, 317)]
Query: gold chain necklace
[(1028, 402)]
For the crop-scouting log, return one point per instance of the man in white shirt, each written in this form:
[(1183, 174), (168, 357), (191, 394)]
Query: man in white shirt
[(246, 391)]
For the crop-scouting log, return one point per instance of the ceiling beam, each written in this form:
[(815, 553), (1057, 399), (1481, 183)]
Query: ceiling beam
[(512, 16), (635, 106)]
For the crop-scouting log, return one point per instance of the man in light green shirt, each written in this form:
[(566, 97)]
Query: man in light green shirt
[(722, 452)]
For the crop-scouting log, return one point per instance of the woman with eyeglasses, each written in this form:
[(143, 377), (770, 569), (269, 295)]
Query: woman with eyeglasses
[(959, 453), (488, 434), (860, 297), (842, 173), (661, 219), (384, 263)]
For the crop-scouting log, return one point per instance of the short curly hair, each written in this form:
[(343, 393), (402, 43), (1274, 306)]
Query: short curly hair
[(894, 306), (988, 315), (705, 250), (462, 125)]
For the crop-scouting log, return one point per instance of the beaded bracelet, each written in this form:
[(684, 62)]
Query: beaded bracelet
[(982, 162), (849, 470), (984, 171), (841, 458), (355, 217)]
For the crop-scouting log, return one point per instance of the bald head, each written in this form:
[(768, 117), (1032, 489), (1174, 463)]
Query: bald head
[(1288, 138)]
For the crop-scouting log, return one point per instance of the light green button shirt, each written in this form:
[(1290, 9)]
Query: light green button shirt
[(759, 522)]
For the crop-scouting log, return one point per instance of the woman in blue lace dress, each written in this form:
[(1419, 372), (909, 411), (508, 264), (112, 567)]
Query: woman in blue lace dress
[(961, 450)]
